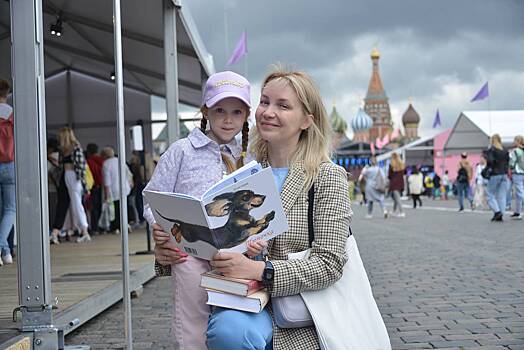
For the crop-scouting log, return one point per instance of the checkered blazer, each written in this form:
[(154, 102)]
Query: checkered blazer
[(331, 216)]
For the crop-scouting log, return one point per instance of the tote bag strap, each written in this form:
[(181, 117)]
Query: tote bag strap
[(311, 199)]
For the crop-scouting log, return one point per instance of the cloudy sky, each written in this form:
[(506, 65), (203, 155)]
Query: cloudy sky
[(438, 53)]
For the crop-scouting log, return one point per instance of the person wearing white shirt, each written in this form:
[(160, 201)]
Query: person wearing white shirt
[(111, 184)]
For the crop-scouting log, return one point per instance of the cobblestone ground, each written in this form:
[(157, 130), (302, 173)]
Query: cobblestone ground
[(442, 280)]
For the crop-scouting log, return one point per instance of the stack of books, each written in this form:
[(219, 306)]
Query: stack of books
[(234, 293)]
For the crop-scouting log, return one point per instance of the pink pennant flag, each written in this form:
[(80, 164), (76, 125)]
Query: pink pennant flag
[(385, 140), (372, 146), (378, 142), (395, 134), (240, 50)]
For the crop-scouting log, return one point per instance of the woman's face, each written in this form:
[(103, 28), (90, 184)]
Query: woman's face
[(226, 119), (280, 118)]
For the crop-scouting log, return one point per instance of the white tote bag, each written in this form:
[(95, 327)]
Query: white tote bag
[(345, 314)]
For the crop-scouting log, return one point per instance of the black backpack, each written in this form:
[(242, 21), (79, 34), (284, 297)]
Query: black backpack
[(462, 176)]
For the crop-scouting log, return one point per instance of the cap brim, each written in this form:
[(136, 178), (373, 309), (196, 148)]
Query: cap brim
[(215, 99)]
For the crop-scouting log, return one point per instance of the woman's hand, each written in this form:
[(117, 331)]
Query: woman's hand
[(168, 253), (159, 235), (238, 265), (255, 248)]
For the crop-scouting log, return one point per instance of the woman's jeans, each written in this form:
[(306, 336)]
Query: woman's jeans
[(7, 204), (518, 184), (497, 189), (232, 329), (463, 191), (397, 205)]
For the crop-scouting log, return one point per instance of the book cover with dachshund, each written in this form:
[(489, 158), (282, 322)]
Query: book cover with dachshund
[(244, 205)]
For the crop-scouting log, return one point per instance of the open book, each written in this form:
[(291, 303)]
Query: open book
[(244, 205)]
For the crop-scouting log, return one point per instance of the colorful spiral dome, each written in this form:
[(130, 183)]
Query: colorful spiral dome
[(362, 121), (338, 124)]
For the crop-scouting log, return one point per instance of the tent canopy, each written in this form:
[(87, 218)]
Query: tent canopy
[(472, 129), (86, 44)]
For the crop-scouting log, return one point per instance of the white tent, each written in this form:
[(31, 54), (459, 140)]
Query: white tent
[(472, 130)]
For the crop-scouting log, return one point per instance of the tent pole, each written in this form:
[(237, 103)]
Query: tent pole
[(122, 171), (171, 71)]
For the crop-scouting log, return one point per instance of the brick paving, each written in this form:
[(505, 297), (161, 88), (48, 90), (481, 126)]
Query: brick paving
[(443, 280)]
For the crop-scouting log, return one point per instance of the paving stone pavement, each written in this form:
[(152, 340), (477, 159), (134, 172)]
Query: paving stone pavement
[(442, 280)]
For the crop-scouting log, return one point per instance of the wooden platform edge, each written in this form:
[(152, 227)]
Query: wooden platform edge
[(102, 300)]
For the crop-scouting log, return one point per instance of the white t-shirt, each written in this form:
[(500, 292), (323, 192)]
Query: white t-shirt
[(5, 110), (110, 174)]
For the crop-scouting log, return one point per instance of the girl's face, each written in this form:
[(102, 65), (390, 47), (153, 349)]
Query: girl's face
[(226, 119), (280, 118)]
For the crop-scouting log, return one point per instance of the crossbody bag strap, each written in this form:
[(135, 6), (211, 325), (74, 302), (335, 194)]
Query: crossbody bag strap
[(311, 232), (310, 200)]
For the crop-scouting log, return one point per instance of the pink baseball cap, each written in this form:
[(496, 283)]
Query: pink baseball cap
[(223, 85)]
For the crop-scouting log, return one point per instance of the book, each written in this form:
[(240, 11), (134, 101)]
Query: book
[(243, 206), (251, 303), (238, 286)]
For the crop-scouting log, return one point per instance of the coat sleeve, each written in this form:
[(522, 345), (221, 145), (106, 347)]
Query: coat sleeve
[(332, 214)]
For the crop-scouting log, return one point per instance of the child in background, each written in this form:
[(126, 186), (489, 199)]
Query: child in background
[(190, 166)]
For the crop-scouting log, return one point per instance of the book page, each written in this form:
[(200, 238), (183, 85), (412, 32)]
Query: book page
[(246, 210), (239, 174)]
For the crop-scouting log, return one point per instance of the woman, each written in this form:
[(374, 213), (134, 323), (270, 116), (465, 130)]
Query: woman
[(292, 136), (374, 176), (396, 183), (416, 186), (74, 163), (497, 160), (479, 194)]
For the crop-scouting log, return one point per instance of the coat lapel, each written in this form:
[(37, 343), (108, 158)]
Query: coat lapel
[(293, 186)]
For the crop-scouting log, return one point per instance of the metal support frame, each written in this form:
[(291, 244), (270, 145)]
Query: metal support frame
[(119, 83), (171, 70)]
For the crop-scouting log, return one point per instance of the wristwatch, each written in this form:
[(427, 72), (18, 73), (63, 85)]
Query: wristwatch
[(268, 274)]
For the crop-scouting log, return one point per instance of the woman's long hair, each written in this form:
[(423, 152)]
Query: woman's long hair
[(314, 143), (496, 141), (396, 163), (67, 140)]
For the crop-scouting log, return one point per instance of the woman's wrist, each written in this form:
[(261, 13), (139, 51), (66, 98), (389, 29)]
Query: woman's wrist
[(258, 269)]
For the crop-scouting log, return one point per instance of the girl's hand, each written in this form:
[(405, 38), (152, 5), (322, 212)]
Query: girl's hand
[(255, 248), (168, 253), (159, 235), (238, 265)]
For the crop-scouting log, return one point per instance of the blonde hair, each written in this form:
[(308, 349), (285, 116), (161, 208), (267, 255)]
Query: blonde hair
[(313, 146), (107, 152), (396, 162), (245, 138), (519, 140), (67, 140), (496, 141)]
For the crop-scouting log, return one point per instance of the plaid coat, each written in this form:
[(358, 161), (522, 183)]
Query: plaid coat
[(331, 217)]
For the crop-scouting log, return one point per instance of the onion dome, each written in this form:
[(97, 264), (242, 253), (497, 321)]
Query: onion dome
[(375, 53), (410, 116), (361, 121), (338, 124)]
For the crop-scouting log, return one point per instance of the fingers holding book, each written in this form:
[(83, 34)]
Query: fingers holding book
[(167, 254), (160, 236)]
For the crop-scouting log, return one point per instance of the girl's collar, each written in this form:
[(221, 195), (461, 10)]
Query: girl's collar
[(198, 139)]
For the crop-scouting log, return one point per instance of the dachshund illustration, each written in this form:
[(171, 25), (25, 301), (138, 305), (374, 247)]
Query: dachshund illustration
[(239, 226)]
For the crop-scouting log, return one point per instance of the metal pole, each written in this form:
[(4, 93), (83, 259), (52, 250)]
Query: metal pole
[(122, 173), (171, 71), (34, 275)]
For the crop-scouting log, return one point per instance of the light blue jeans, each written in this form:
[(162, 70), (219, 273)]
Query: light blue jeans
[(463, 192), (231, 329), (518, 184), (7, 204), (497, 190)]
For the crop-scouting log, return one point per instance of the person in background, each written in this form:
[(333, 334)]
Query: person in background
[(54, 174), (428, 184), (464, 176), (416, 186), (362, 186), (95, 162), (479, 193), (112, 184), (516, 163), (372, 176), (7, 174), (138, 184), (497, 160), (436, 186), (396, 173), (446, 184)]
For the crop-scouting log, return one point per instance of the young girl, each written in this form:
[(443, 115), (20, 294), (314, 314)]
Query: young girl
[(191, 166)]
